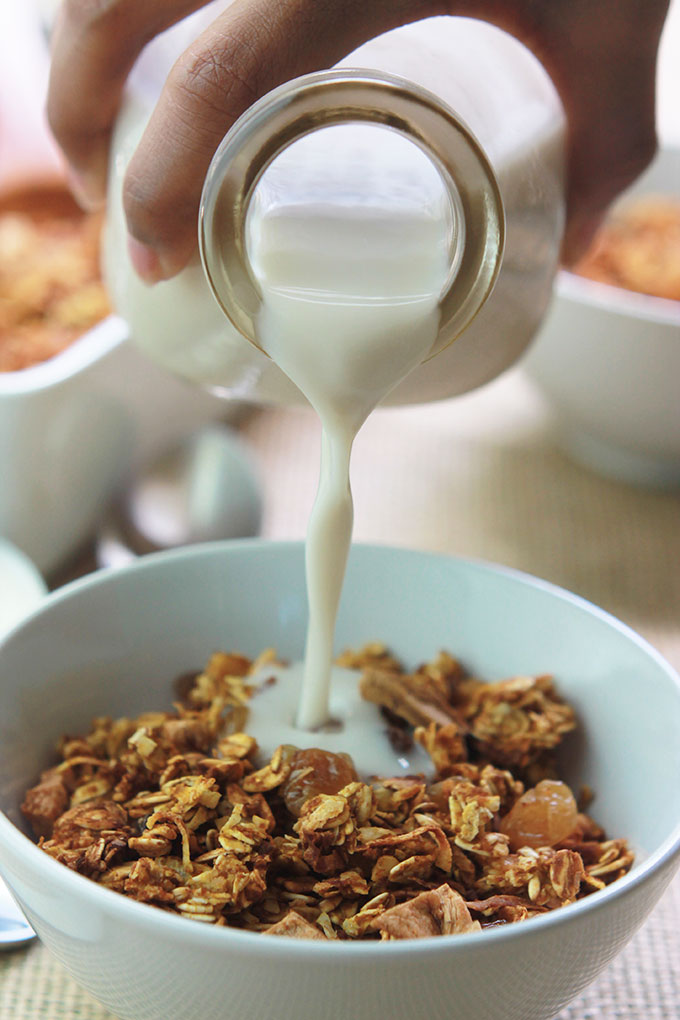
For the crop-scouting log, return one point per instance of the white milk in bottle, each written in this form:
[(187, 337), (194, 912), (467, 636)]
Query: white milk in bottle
[(506, 99)]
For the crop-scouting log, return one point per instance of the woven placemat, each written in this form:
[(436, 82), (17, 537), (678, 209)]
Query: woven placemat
[(481, 476)]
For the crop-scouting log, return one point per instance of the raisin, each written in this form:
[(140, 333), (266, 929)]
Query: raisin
[(543, 816), (314, 771)]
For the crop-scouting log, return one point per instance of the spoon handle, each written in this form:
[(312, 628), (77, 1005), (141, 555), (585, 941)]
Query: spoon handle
[(15, 931)]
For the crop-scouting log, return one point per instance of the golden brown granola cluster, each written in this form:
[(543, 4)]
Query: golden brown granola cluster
[(638, 248), (174, 809), (50, 286)]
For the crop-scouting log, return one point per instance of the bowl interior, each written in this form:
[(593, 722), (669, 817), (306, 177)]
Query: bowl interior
[(113, 645)]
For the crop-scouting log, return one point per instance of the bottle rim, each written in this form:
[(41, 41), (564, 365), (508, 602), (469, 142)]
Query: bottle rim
[(327, 98)]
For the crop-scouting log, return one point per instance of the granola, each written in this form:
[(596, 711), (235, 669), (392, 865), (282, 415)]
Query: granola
[(50, 284), (176, 809), (638, 248)]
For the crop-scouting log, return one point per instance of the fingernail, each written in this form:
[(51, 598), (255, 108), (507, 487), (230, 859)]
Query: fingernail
[(145, 261), (87, 190)]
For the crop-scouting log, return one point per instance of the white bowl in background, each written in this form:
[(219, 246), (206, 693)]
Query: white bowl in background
[(72, 427), (607, 360), (114, 642), (21, 586), (21, 590)]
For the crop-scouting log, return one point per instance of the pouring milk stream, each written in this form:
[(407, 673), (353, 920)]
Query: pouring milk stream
[(352, 227), (351, 264)]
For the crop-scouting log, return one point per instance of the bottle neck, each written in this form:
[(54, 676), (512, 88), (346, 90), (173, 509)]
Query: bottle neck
[(321, 100)]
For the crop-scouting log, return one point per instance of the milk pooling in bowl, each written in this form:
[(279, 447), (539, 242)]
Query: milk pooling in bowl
[(351, 263)]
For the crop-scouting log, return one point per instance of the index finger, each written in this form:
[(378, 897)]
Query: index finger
[(94, 45)]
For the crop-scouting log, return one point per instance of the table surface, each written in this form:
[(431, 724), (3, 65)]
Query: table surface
[(481, 476)]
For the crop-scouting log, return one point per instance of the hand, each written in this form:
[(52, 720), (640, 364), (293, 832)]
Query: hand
[(601, 55)]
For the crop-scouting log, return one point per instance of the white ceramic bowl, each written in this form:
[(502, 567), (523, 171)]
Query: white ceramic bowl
[(70, 429), (114, 642), (21, 586), (21, 590), (608, 362)]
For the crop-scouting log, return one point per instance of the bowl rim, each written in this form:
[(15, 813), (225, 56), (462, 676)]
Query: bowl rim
[(173, 927), (84, 351), (605, 297)]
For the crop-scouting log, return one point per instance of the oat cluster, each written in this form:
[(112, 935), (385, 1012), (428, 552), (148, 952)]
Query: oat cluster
[(175, 809), (50, 286), (638, 248)]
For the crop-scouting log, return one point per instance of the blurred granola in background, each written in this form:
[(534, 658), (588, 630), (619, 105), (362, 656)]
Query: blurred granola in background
[(50, 284), (638, 248)]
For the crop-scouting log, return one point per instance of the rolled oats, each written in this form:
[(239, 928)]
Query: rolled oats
[(174, 809), (50, 286)]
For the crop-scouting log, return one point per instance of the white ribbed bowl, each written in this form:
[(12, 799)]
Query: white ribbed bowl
[(72, 427), (608, 363), (113, 643)]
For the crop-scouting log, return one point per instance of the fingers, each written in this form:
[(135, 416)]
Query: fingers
[(600, 54), (602, 58), (252, 47), (587, 199), (610, 143), (94, 45)]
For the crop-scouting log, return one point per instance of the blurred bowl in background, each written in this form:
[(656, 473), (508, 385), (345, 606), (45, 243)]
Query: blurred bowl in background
[(21, 586), (607, 361), (74, 426)]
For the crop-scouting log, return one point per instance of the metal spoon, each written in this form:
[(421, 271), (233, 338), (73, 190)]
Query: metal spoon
[(15, 931), (204, 489)]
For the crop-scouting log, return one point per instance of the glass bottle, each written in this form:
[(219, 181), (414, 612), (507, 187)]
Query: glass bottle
[(468, 95)]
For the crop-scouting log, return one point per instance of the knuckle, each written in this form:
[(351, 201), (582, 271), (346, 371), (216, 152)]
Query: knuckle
[(214, 84)]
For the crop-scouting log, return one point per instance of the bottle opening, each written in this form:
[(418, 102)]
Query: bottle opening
[(245, 217), (354, 213)]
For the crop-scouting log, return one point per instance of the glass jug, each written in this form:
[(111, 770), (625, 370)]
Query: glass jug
[(468, 95)]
